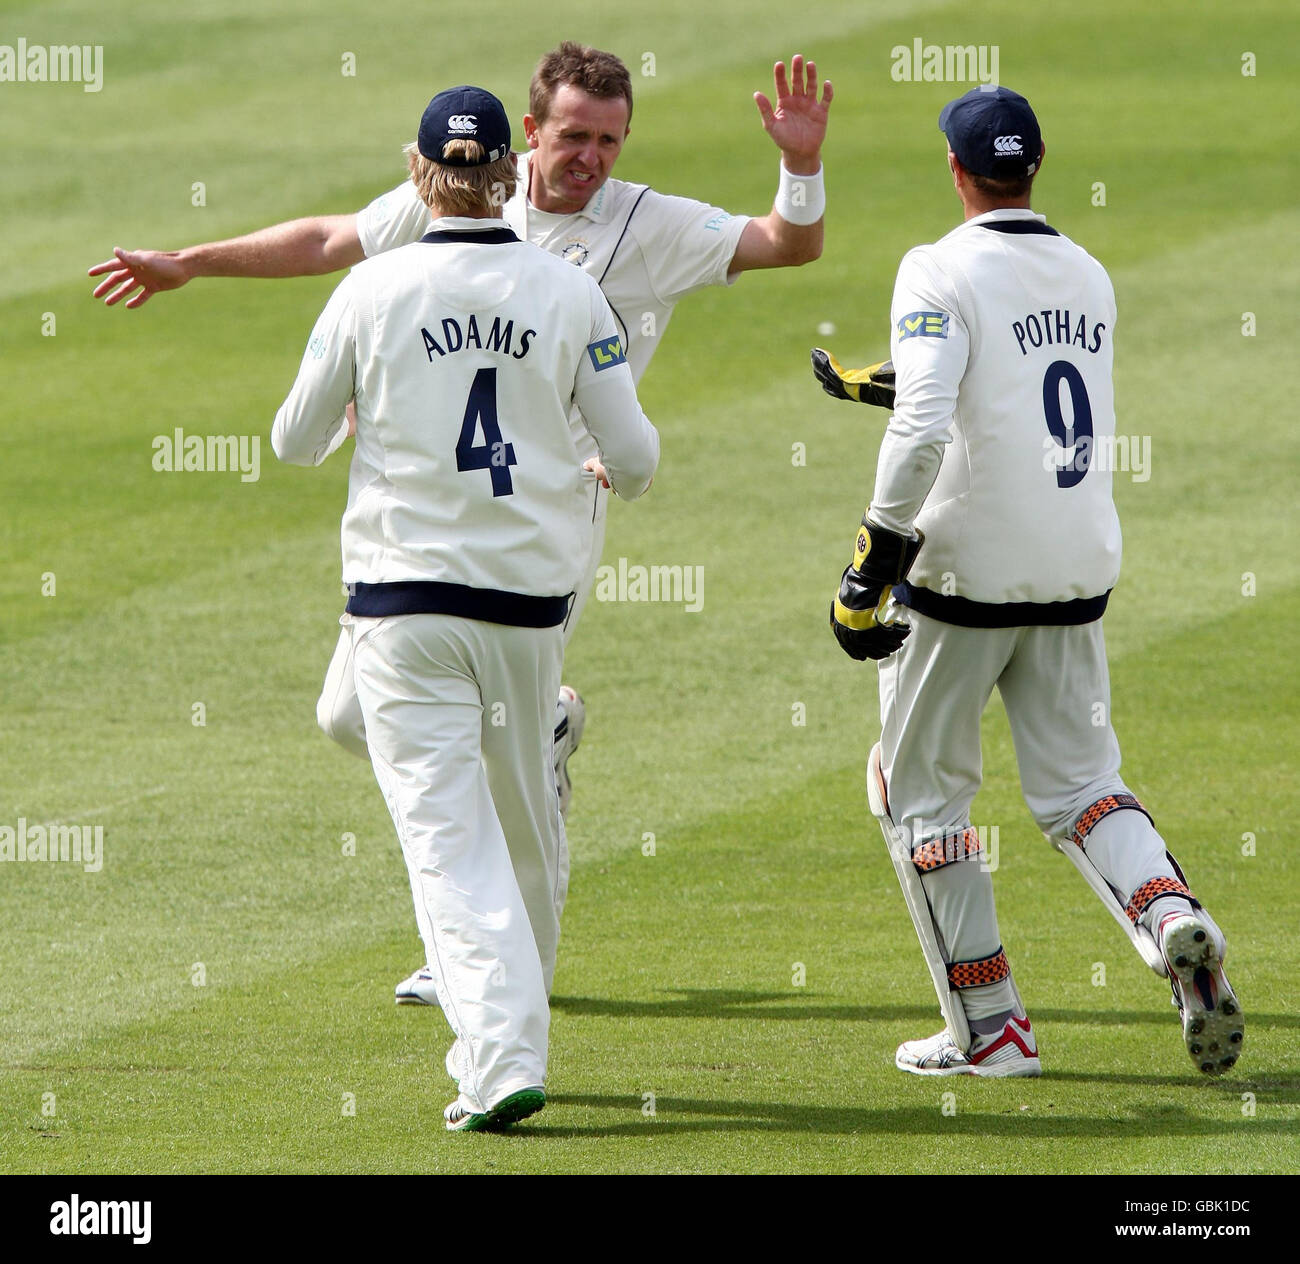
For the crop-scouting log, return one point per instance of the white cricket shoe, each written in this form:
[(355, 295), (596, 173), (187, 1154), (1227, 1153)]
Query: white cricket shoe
[(1213, 1025), (571, 718), (1012, 1051), (418, 989)]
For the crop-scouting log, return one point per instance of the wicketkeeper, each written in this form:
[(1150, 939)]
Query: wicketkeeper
[(985, 560)]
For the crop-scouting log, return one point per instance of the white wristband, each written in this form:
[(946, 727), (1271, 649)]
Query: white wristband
[(801, 199)]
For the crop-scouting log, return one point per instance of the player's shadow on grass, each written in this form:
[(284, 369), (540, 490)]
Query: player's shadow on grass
[(679, 1115), (729, 1003), (1160, 1012), (1281, 1090), (802, 1006)]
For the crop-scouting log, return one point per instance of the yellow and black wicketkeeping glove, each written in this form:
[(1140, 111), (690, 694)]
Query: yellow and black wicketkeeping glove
[(881, 559), (872, 385)]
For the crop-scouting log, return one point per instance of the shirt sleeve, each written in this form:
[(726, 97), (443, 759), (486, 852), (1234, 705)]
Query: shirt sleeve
[(686, 244), (306, 429), (396, 218), (930, 346), (606, 397)]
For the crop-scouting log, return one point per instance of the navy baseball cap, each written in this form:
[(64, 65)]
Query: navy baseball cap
[(993, 132), (464, 113)]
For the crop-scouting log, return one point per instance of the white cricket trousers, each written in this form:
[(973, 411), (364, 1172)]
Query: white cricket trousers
[(459, 715), (337, 711), (1055, 685)]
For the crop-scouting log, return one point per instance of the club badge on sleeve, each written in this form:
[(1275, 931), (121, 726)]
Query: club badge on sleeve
[(923, 325)]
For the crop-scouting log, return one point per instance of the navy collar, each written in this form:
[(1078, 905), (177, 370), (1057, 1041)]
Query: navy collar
[(494, 236), (1020, 226)]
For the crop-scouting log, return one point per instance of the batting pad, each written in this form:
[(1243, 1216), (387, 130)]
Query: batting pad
[(918, 906), (1142, 939)]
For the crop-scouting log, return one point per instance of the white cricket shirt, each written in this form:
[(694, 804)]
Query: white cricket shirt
[(1002, 348), (465, 355), (646, 250)]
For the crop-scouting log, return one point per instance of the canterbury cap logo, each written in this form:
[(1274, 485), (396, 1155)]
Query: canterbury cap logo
[(1008, 145), (463, 123)]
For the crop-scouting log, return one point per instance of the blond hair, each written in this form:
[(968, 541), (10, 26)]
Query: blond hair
[(479, 191)]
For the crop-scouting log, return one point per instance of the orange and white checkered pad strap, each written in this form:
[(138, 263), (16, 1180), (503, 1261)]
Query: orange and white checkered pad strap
[(968, 974), (959, 845), (1153, 889), (1087, 822)]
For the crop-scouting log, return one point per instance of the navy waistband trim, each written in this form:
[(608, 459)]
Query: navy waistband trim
[(472, 236), (429, 596), (966, 613), (1021, 226)]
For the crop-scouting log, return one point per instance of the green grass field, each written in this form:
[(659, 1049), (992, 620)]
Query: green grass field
[(219, 996)]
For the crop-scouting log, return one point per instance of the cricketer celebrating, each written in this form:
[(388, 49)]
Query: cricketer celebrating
[(647, 251), (460, 565), (986, 558)]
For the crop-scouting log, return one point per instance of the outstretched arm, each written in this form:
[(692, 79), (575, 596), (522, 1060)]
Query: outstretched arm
[(872, 385), (301, 247), (797, 125)]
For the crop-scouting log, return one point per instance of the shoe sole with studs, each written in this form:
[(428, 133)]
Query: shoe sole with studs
[(1213, 1024)]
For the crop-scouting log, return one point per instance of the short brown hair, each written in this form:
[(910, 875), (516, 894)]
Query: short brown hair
[(463, 190), (597, 74), (1002, 190)]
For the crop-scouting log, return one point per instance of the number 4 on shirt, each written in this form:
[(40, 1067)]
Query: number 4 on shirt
[(493, 453)]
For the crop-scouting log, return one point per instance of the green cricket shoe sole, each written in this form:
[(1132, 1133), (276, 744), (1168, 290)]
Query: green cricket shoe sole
[(527, 1101)]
